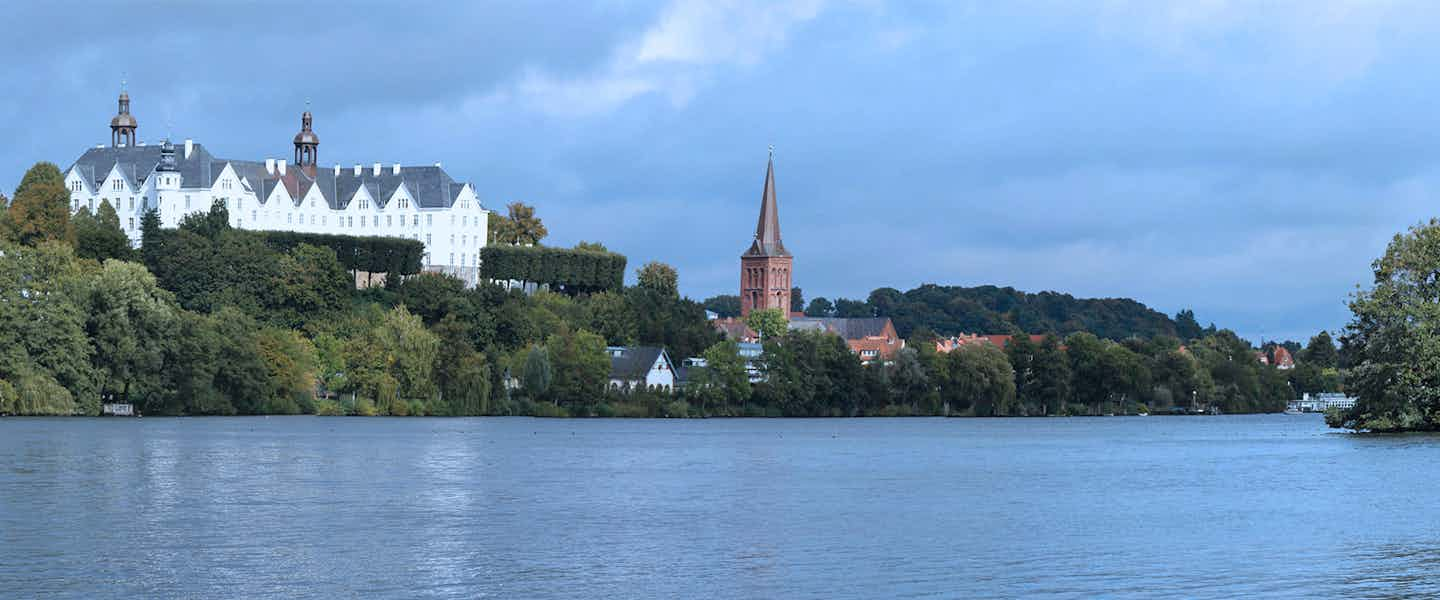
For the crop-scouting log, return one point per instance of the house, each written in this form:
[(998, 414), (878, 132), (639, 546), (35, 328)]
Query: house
[(640, 367), (1281, 358), (1002, 342), (872, 338)]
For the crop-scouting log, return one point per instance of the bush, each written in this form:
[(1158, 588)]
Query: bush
[(418, 408), (365, 408), (545, 409), (678, 409), (329, 408)]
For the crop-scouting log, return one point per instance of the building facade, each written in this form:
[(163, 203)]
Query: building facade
[(765, 267), (421, 203)]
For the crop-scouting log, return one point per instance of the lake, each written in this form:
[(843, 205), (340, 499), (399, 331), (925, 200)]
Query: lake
[(307, 507)]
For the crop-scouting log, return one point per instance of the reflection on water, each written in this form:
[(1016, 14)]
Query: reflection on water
[(1264, 506)]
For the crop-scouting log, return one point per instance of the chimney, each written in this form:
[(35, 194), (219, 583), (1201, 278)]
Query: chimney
[(337, 169), (437, 165), (281, 166), (395, 170), (377, 170), (357, 170), (270, 166), (189, 147)]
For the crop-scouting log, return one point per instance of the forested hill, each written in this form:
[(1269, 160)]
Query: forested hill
[(949, 310)]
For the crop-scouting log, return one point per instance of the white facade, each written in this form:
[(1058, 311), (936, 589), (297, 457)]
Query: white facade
[(421, 203)]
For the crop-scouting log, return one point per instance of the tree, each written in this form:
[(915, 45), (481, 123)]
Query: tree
[(768, 322), (41, 209), (660, 278), (520, 228), (978, 377), (1050, 384), (591, 247), (289, 361), (724, 305), (1022, 354), (581, 368), (723, 383), (611, 317), (432, 296), (310, 285), (1186, 327), (1394, 337), (1321, 352), (797, 300), (99, 237), (909, 381), (462, 374), (852, 309), (130, 323), (537, 374), (820, 307)]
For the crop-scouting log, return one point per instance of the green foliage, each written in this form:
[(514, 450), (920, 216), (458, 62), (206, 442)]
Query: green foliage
[(371, 254), (581, 368), (659, 278), (725, 305), (40, 210), (572, 271), (99, 237), (538, 374), (797, 300), (1394, 339), (978, 378), (769, 323), (820, 307), (723, 385), (520, 228), (989, 309)]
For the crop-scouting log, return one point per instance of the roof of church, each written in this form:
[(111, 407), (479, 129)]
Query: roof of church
[(850, 329), (767, 229), (429, 186)]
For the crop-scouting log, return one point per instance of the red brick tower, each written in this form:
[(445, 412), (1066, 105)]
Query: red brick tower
[(765, 267)]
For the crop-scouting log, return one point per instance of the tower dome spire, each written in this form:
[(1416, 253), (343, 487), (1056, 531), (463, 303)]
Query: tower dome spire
[(306, 142), (123, 125)]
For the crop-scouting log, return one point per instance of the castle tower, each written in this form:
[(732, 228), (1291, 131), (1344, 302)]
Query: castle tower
[(765, 266), (306, 143), (123, 126)]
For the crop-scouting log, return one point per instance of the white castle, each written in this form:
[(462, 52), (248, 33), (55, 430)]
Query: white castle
[(419, 203)]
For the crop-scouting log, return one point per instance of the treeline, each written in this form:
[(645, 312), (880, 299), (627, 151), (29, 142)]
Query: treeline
[(210, 320), (811, 374), (952, 310)]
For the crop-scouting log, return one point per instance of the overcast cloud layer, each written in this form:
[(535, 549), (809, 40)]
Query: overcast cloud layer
[(1245, 159)]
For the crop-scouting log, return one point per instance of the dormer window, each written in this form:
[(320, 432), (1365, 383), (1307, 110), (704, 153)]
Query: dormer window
[(364, 203), (404, 203), (75, 185)]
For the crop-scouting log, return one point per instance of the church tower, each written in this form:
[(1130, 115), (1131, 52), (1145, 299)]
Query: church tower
[(306, 143), (123, 126), (765, 266)]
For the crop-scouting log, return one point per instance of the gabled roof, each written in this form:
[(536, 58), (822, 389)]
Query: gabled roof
[(429, 186), (634, 362)]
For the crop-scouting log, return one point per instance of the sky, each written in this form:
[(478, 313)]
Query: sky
[(1247, 160)]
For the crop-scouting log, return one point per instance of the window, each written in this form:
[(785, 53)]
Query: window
[(132, 224), (350, 222), (387, 221), (362, 221), (187, 201), (414, 222), (464, 239), (92, 205), (429, 220), (452, 259), (132, 203), (75, 185), (289, 218), (322, 220), (364, 203), (427, 239), (452, 239), (312, 219), (252, 215), (465, 221)]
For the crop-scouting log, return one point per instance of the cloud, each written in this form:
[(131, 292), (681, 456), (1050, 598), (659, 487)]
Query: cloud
[(672, 58)]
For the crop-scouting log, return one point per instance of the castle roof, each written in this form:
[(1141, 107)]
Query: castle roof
[(429, 186)]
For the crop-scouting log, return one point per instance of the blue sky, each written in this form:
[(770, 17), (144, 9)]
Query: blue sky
[(1244, 159)]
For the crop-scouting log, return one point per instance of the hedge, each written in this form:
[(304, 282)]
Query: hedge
[(564, 268), (357, 253)]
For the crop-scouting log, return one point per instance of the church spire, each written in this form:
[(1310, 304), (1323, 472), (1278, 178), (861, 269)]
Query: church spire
[(767, 229)]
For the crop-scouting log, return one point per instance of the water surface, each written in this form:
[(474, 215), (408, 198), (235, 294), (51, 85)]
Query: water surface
[(305, 507)]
